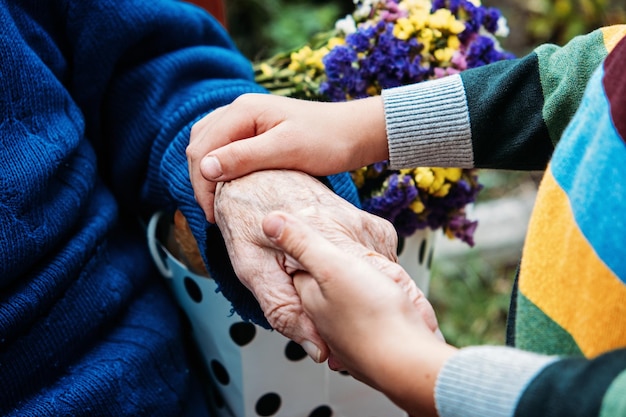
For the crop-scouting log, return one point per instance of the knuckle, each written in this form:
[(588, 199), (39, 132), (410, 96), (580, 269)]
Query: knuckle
[(192, 152)]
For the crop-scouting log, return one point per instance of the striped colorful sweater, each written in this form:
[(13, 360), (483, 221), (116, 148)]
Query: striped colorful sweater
[(562, 109)]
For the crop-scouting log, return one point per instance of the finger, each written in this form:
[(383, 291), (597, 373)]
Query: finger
[(307, 288), (404, 281), (204, 191), (317, 255), (281, 305), (335, 363), (207, 120), (214, 130), (205, 198), (236, 159)]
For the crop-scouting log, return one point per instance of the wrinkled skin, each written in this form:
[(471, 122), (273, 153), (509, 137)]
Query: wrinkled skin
[(240, 207)]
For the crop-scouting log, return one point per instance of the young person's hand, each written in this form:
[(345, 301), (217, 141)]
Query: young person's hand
[(381, 335), (261, 131)]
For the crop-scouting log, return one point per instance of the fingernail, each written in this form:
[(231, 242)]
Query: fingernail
[(311, 350), (211, 168), (273, 226)]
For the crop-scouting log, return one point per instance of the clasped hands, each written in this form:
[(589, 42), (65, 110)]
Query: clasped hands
[(332, 232)]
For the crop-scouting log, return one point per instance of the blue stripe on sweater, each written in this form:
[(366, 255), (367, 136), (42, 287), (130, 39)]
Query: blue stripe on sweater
[(590, 165)]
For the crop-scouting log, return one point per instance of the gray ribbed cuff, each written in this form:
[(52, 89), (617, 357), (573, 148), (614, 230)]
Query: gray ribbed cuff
[(486, 381), (428, 124)]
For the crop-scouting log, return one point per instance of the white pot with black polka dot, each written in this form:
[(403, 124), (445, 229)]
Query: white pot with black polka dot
[(254, 372), (415, 254)]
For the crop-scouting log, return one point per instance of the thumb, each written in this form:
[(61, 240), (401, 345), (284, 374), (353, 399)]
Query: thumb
[(238, 158), (321, 258)]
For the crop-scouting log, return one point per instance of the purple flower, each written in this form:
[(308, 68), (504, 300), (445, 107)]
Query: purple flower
[(407, 222), (362, 39), (397, 196), (462, 228), (344, 78), (452, 5), (392, 12), (482, 51), (459, 61), (372, 57), (490, 21)]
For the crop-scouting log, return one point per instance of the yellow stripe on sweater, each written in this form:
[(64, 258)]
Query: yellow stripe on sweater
[(562, 275), (612, 35)]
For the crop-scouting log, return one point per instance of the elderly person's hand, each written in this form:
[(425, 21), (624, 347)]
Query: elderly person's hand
[(240, 207), (383, 336), (262, 131)]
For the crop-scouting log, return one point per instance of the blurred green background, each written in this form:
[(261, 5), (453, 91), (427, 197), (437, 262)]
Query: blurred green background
[(470, 294)]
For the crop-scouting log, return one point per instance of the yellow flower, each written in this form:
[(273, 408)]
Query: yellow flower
[(426, 37), (454, 42), (315, 58), (443, 190), (453, 174), (438, 182), (417, 206), (419, 19), (358, 176), (403, 29), (373, 90), (335, 41), (444, 55), (423, 177), (266, 69), (298, 57), (456, 27), (415, 5), (443, 177), (444, 20)]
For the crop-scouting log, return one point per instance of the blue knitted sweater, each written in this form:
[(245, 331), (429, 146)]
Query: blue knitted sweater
[(96, 102)]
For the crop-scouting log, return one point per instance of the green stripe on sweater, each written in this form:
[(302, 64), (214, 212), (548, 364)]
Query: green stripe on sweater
[(564, 73), (614, 401), (536, 332)]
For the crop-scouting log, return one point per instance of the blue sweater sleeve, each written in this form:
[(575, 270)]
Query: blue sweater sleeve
[(150, 87)]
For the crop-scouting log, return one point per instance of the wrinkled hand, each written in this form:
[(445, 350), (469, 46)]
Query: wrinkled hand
[(240, 207), (261, 131), (383, 336)]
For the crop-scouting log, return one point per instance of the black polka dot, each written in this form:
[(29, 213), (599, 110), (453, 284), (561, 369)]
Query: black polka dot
[(322, 411), (268, 404), (242, 333), (193, 289), (430, 258), (294, 351), (220, 373), (400, 245), (422, 252)]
